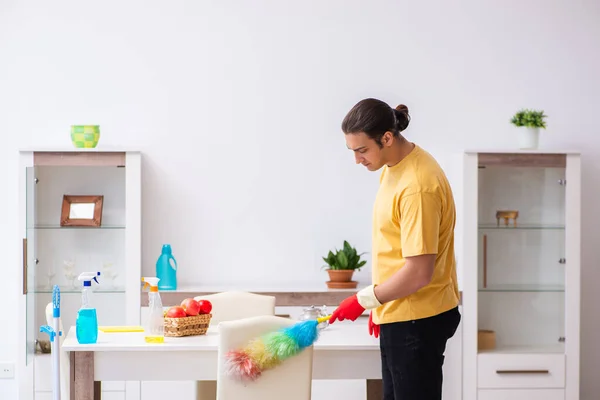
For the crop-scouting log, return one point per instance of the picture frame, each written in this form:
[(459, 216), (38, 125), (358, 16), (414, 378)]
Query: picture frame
[(82, 210)]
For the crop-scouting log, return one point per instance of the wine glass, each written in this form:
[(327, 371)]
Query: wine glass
[(107, 270), (70, 274)]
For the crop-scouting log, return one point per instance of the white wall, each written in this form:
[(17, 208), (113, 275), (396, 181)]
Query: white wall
[(237, 107)]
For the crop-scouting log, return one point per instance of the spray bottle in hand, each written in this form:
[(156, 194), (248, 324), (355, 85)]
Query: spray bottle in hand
[(154, 331), (86, 326)]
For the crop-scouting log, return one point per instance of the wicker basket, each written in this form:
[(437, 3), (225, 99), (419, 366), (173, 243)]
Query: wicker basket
[(187, 326)]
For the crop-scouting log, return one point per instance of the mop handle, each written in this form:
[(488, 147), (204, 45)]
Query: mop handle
[(56, 342)]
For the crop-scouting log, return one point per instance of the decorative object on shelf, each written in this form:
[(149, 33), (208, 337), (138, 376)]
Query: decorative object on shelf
[(80, 210), (341, 266), (110, 273), (507, 215), (69, 271), (529, 122), (166, 269), (486, 339), (50, 273), (313, 312), (191, 318), (271, 349), (85, 136)]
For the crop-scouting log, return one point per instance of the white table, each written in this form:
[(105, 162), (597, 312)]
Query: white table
[(344, 351)]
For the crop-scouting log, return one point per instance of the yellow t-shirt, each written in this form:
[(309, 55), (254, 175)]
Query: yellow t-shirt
[(414, 214)]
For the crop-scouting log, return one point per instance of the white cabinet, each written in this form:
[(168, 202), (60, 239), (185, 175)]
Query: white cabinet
[(55, 252), (521, 282)]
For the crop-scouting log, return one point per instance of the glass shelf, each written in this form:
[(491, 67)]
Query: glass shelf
[(521, 227), (523, 288), (71, 290), (58, 227)]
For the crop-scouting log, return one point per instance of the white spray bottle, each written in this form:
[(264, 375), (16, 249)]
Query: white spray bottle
[(154, 331)]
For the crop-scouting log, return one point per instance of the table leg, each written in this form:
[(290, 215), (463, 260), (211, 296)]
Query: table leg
[(374, 389), (97, 390), (82, 385)]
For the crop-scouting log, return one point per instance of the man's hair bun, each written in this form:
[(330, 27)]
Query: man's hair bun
[(402, 117)]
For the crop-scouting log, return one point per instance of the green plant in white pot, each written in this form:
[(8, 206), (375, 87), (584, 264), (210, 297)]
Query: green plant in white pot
[(341, 265), (529, 122)]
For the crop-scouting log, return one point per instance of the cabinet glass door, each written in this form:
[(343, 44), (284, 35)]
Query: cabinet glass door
[(30, 257), (521, 279)]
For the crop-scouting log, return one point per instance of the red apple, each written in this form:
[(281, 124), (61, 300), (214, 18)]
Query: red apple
[(176, 312), (190, 306), (205, 306)]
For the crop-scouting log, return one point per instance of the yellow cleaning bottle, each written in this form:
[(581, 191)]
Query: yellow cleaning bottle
[(154, 331)]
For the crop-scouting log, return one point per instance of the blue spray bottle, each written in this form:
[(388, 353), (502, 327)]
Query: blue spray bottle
[(86, 325), (166, 269)]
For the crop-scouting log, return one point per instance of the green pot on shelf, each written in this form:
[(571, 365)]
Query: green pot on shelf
[(85, 136)]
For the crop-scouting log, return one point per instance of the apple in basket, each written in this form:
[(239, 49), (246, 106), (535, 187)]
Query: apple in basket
[(176, 312), (205, 306), (191, 307)]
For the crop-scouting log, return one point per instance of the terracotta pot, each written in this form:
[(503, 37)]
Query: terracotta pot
[(340, 275)]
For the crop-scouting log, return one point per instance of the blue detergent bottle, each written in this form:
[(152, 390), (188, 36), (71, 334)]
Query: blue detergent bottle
[(166, 269), (86, 325)]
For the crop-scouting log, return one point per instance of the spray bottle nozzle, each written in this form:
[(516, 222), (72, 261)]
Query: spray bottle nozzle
[(87, 278), (151, 282)]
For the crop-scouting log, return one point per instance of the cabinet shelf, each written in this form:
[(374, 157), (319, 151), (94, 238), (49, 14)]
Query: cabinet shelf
[(71, 290), (510, 288), (521, 227), (58, 227)]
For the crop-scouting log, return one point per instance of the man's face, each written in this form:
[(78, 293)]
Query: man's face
[(366, 151)]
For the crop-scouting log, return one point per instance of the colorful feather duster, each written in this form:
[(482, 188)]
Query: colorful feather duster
[(271, 349)]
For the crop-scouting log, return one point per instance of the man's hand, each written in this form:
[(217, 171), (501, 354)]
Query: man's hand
[(348, 309), (373, 328)]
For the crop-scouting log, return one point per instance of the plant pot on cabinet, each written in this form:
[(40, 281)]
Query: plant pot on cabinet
[(529, 123), (341, 265), (528, 137), (341, 279)]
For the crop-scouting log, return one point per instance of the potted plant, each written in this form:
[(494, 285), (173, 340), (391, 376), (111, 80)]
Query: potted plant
[(341, 265), (530, 122)]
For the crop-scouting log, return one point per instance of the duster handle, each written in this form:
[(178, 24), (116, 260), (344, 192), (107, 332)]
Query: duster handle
[(323, 319)]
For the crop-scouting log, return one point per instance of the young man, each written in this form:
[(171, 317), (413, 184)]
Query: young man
[(414, 294)]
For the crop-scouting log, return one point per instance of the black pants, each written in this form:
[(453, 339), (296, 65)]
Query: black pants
[(412, 355)]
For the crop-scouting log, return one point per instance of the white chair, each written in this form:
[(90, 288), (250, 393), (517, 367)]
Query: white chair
[(229, 306), (291, 380)]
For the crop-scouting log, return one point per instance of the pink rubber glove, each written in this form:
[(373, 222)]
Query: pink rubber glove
[(348, 309), (373, 327)]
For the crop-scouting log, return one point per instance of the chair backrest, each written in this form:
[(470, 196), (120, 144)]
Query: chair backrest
[(229, 306), (290, 380)]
